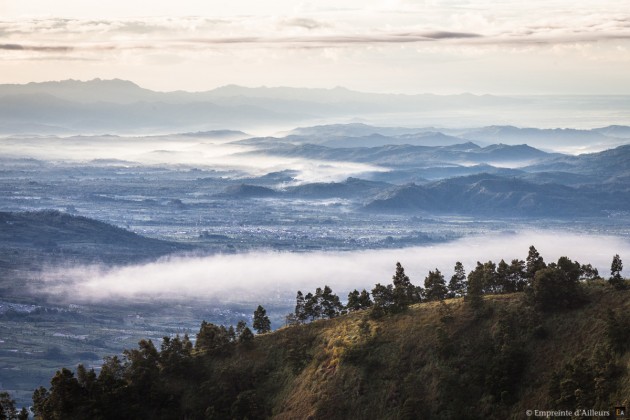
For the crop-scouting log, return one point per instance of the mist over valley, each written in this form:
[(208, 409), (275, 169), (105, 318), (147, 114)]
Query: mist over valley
[(145, 230)]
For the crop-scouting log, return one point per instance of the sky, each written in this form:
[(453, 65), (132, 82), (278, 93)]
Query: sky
[(398, 46)]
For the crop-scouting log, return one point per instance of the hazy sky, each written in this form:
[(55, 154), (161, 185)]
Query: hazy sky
[(440, 46)]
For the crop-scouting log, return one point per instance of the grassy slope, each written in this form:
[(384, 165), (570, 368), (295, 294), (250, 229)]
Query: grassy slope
[(394, 367)]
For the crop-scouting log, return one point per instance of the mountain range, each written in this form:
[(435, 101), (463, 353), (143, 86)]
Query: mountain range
[(120, 106), (556, 185)]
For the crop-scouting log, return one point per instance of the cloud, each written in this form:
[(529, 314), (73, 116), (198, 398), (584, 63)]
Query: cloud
[(191, 33), (305, 23), (263, 276), (39, 48), (337, 40), (360, 47)]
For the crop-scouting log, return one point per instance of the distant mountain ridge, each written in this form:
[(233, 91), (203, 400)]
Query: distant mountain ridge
[(352, 135), (126, 92), (396, 155), (120, 106), (492, 195)]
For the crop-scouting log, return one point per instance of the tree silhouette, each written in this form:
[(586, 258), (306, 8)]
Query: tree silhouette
[(383, 297), (405, 293), (588, 272), (517, 277), (533, 263), (7, 407), (435, 286), (261, 322), (364, 299), (353, 301), (474, 294), (457, 285), (300, 310), (615, 272), (312, 305), (212, 338), (330, 303), (554, 289)]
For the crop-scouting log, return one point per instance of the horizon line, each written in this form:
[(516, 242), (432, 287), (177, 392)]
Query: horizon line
[(329, 89)]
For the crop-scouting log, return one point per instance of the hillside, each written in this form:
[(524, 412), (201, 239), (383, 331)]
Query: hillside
[(442, 360), (30, 240), (604, 165), (51, 229), (499, 196)]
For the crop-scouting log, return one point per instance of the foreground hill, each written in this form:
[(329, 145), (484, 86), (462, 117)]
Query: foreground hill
[(442, 360)]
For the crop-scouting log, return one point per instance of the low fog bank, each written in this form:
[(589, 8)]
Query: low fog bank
[(178, 151), (272, 276)]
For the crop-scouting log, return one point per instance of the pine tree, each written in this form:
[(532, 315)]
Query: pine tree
[(310, 307), (40, 400), (358, 301), (261, 321), (457, 285), (435, 286), (212, 338), (615, 272), (300, 311), (518, 277), (330, 303), (485, 277), (7, 406), (23, 414), (383, 296), (405, 293), (552, 289), (503, 278), (312, 304), (474, 295), (240, 326), (364, 299), (231, 334), (569, 268), (534, 262), (353, 301), (246, 336)]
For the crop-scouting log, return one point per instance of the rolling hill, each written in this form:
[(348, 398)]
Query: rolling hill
[(434, 360), (492, 195), (31, 240)]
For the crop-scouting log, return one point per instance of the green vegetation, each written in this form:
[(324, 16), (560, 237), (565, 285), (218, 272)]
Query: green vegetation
[(261, 323), (615, 272), (562, 343), (322, 304)]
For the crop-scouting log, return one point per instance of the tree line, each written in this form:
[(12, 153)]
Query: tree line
[(549, 286)]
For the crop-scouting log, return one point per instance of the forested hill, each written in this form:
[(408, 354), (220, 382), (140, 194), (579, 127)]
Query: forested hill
[(562, 343)]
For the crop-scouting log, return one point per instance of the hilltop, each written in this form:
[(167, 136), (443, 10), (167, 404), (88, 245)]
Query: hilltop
[(440, 359)]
